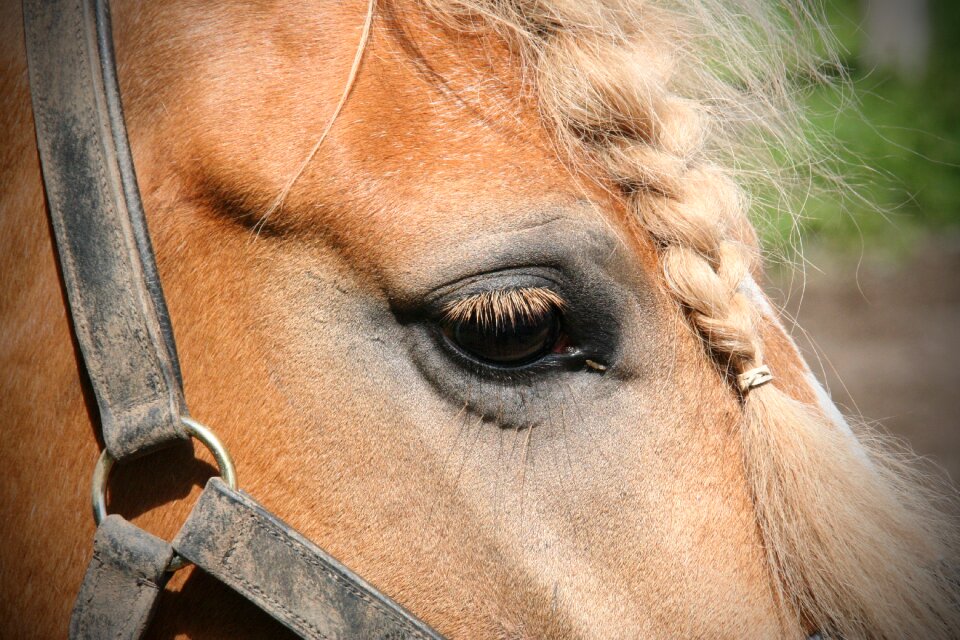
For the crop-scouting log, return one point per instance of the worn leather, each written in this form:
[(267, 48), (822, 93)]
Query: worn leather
[(122, 583), (232, 537), (121, 326), (109, 273)]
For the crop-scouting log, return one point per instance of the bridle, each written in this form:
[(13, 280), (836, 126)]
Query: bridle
[(121, 326)]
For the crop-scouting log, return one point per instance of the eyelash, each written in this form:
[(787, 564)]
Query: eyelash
[(484, 330), (502, 307)]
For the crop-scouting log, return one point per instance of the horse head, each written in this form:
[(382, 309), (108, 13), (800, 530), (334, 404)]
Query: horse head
[(469, 290)]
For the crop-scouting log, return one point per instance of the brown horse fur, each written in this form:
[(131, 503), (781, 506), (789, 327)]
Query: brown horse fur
[(643, 498)]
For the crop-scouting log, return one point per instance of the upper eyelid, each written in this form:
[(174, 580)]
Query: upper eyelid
[(519, 277)]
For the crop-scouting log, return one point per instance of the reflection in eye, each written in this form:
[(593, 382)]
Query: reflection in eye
[(507, 327)]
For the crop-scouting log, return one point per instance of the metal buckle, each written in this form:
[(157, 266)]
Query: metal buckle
[(101, 474)]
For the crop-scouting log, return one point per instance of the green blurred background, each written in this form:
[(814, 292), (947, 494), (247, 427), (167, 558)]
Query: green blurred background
[(897, 129)]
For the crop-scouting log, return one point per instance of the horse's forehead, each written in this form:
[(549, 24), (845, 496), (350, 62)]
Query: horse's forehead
[(437, 140)]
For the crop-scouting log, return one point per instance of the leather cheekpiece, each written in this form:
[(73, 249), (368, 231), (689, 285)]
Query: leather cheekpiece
[(230, 536), (109, 273), (122, 583)]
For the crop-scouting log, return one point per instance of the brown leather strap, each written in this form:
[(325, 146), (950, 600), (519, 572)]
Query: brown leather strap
[(109, 273), (123, 580), (120, 322), (232, 537)]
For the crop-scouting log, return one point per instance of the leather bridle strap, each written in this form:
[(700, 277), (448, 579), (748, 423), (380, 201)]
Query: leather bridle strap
[(246, 547), (121, 326), (116, 304), (124, 578)]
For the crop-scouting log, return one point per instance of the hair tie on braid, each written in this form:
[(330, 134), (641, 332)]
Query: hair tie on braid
[(756, 377)]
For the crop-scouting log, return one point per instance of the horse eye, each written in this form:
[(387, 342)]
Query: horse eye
[(513, 343)]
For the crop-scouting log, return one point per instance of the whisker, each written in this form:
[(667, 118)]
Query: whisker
[(462, 413), (468, 449), (564, 436), (498, 480), (523, 468), (463, 423)]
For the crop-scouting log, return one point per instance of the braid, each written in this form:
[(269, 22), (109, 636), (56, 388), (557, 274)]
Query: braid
[(705, 264), (653, 143), (611, 98), (669, 99)]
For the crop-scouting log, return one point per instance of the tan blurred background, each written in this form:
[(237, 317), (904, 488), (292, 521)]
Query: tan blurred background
[(882, 333)]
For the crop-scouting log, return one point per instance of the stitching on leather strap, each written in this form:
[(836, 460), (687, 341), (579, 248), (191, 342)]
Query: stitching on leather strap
[(252, 521), (243, 532)]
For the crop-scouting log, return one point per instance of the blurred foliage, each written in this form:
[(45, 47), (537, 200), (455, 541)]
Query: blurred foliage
[(896, 142)]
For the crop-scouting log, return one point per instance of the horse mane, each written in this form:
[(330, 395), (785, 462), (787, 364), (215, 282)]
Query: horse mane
[(688, 106)]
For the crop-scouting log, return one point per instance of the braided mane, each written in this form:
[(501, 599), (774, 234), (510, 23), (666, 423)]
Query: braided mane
[(685, 105)]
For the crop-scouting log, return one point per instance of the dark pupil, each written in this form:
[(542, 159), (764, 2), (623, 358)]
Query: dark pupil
[(525, 340)]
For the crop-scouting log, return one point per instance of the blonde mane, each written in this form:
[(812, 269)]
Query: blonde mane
[(686, 105)]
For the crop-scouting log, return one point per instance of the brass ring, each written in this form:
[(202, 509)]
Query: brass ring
[(101, 474)]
